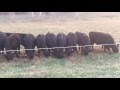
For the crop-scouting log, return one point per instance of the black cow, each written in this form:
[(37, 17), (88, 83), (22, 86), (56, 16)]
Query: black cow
[(2, 41), (12, 42), (83, 39), (71, 41), (103, 38), (61, 41), (51, 41), (22, 35), (29, 43), (41, 43)]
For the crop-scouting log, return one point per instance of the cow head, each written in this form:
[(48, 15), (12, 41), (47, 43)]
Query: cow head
[(114, 48), (86, 50)]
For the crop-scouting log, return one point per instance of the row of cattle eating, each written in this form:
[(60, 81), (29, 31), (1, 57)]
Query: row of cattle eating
[(12, 41)]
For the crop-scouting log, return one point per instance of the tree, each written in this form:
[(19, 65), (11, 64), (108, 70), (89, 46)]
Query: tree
[(12, 15), (77, 15)]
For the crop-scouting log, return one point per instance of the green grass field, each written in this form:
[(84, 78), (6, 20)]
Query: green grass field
[(96, 65)]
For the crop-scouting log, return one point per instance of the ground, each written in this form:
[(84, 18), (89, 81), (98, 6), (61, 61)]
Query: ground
[(97, 64)]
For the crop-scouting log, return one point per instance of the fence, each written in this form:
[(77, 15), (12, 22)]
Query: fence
[(61, 47)]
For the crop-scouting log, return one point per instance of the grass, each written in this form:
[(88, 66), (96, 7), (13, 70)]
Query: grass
[(92, 66), (95, 65)]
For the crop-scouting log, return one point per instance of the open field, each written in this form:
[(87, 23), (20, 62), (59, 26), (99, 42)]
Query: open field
[(96, 64)]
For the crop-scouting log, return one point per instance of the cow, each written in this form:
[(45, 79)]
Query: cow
[(103, 38), (61, 42), (2, 41), (29, 43), (82, 40), (51, 41), (41, 43), (71, 41), (12, 42), (22, 35)]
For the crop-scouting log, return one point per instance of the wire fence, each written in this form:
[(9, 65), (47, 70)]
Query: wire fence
[(61, 47)]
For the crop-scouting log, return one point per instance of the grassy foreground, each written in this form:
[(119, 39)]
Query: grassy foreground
[(77, 66)]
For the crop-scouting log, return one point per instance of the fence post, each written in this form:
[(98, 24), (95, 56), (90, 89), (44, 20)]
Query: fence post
[(12, 16), (77, 15), (32, 14)]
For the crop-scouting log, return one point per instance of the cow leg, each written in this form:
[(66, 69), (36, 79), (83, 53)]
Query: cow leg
[(49, 51), (2, 51), (79, 48), (82, 52), (39, 53), (108, 48), (17, 54), (75, 49), (55, 52), (72, 50), (19, 49), (91, 46), (104, 48), (118, 45)]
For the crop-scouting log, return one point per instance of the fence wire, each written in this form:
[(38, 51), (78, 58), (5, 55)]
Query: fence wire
[(60, 47)]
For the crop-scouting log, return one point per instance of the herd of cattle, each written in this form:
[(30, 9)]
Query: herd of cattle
[(12, 41)]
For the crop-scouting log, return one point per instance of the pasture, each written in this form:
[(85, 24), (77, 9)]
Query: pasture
[(96, 65)]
